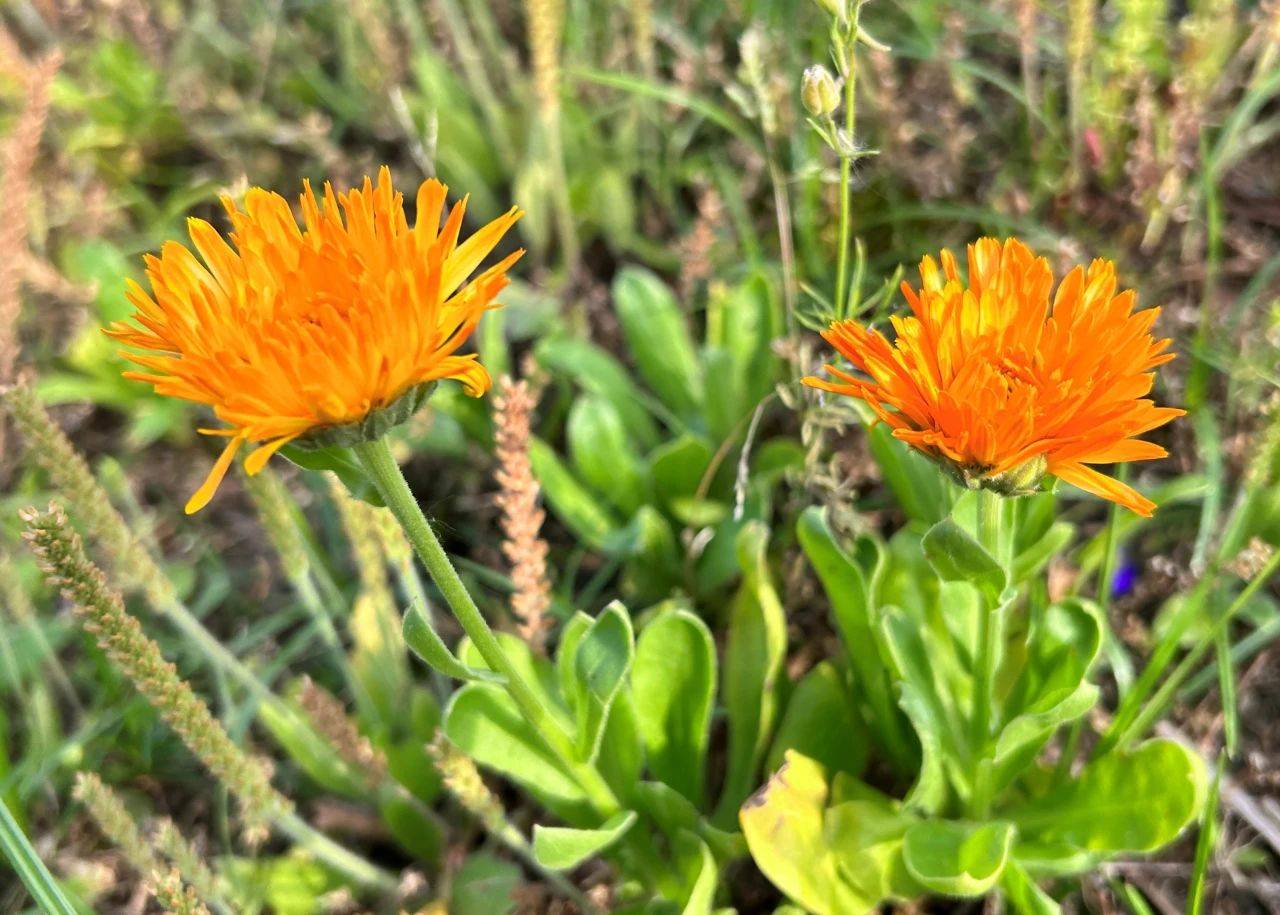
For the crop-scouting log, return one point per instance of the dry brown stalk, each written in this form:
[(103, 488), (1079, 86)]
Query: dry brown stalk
[(19, 157), (522, 516), (332, 722)]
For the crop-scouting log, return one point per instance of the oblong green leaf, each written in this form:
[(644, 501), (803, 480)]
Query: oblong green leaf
[(657, 333), (17, 848), (757, 644), (573, 503), (856, 620), (956, 556), (603, 454), (484, 722), (1133, 801), (561, 848), (598, 372), (427, 645), (673, 687), (821, 722), (957, 858), (601, 663)]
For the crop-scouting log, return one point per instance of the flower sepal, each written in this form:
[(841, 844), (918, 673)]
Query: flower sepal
[(372, 426), (1023, 480)]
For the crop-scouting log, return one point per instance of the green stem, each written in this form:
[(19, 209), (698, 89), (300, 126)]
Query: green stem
[(187, 623), (382, 468), (988, 515), (846, 168), (341, 859)]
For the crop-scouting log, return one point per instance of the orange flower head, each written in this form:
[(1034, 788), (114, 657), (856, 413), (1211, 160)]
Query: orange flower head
[(295, 333), (1000, 384)]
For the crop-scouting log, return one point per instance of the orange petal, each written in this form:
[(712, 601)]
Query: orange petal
[(202, 495), (258, 458), (1105, 487)]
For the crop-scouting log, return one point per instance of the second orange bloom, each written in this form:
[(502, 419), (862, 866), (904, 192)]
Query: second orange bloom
[(1001, 381)]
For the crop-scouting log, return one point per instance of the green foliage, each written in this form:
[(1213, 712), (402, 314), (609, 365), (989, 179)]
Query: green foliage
[(982, 812), (626, 492)]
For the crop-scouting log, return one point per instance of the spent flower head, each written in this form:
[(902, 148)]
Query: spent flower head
[(1001, 383), (819, 91), (319, 333)]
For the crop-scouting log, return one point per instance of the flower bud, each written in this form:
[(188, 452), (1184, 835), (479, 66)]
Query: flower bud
[(837, 8), (819, 91)]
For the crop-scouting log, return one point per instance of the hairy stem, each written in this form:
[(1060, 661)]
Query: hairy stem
[(382, 468)]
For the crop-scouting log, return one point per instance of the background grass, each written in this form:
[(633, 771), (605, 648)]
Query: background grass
[(667, 135)]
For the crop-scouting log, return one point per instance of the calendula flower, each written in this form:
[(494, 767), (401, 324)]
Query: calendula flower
[(1000, 383), (324, 333)]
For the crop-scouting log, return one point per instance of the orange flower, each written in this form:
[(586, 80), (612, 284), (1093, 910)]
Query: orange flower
[(1000, 387), (297, 331)]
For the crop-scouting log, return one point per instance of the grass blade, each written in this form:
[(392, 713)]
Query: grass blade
[(1205, 845), (30, 869)]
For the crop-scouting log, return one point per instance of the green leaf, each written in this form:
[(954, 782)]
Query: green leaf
[(932, 712), (756, 646), (678, 468), (1052, 688), (1020, 889), (673, 686), (413, 825), (957, 858), (571, 688), (956, 556), (724, 401), (821, 723), (484, 722), (856, 621), (31, 871), (866, 829), (560, 848), (484, 885), (1134, 801), (654, 565), (290, 884), (341, 463), (621, 757), (603, 454), (657, 335), (784, 825), (427, 644), (749, 318), (672, 813), (702, 895), (599, 373), (601, 662), (573, 503)]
